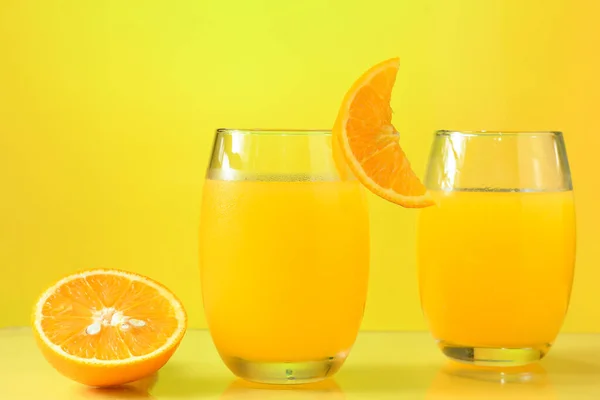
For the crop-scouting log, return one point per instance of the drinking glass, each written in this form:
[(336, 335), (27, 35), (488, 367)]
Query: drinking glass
[(496, 252), (284, 258)]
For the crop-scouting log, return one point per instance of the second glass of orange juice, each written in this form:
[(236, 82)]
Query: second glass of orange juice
[(496, 252), (284, 256)]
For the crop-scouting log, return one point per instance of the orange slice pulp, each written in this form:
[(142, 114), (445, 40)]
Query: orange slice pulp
[(365, 139), (108, 327)]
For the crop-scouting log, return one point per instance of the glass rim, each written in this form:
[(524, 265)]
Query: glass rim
[(274, 132), (494, 133)]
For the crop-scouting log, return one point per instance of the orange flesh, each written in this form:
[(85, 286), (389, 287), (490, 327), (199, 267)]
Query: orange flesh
[(114, 304), (369, 141)]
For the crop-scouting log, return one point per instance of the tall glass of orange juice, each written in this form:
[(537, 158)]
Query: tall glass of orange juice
[(496, 252), (284, 255)]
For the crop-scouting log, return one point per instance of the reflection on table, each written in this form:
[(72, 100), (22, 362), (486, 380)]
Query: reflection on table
[(382, 365)]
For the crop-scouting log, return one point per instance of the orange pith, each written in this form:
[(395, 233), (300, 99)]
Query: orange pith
[(368, 142), (108, 327)]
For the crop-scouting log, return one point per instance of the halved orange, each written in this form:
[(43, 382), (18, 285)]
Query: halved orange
[(108, 327), (368, 142)]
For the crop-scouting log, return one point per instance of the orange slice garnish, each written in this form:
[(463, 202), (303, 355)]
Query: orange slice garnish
[(368, 142), (108, 327)]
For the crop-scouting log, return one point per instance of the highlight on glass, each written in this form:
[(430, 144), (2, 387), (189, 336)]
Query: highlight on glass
[(496, 253), (284, 257)]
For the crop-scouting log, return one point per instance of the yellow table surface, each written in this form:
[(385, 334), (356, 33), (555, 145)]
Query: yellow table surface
[(382, 365)]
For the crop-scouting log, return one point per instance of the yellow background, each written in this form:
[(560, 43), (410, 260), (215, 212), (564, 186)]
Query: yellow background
[(108, 108)]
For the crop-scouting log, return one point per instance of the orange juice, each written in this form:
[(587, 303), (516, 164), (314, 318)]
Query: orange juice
[(284, 267), (495, 268)]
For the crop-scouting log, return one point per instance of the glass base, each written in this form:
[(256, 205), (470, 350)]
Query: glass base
[(533, 373), (494, 356), (284, 373)]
